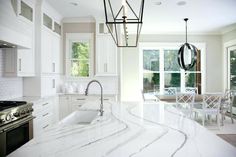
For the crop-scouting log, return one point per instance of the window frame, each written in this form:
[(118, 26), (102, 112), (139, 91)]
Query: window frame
[(168, 46), (70, 37)]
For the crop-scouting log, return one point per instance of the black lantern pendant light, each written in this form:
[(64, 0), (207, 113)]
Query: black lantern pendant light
[(187, 55), (124, 20)]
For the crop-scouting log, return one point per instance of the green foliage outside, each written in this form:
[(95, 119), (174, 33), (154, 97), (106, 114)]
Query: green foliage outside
[(175, 80), (190, 80), (151, 60), (80, 59), (170, 58), (233, 70)]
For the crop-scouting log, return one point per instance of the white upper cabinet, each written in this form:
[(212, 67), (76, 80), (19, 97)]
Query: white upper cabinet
[(19, 62), (50, 47), (17, 27), (106, 53), (46, 51)]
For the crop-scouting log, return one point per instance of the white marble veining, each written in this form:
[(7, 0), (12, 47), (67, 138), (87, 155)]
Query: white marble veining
[(129, 130)]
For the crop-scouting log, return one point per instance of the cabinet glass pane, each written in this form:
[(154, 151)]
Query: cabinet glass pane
[(47, 21), (151, 60), (57, 28), (171, 60), (26, 11), (233, 69)]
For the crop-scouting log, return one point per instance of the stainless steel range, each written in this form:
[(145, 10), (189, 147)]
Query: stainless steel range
[(16, 125)]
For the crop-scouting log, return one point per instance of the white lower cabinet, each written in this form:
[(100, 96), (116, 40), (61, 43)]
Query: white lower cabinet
[(45, 114)]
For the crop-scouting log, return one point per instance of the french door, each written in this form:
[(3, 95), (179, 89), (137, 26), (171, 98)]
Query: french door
[(232, 68), (232, 72)]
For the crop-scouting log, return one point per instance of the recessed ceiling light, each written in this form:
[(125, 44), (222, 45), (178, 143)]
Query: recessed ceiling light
[(158, 3), (181, 3), (74, 3)]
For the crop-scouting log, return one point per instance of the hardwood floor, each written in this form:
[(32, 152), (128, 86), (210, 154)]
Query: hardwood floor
[(230, 138)]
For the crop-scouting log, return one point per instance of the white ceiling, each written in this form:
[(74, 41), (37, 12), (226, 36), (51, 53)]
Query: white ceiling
[(205, 16)]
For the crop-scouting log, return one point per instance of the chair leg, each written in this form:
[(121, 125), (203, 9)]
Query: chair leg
[(231, 115), (222, 118), (203, 119), (218, 121)]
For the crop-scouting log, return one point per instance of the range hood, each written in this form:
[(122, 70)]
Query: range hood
[(4, 44), (12, 39)]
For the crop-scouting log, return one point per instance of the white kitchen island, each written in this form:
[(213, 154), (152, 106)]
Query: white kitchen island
[(132, 129)]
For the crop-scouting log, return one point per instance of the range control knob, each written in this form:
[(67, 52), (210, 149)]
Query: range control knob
[(22, 112), (8, 117), (28, 110), (16, 114)]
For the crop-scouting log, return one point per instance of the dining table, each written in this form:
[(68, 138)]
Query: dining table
[(172, 98)]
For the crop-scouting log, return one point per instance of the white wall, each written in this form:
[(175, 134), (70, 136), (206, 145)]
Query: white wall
[(130, 80), (229, 36), (10, 87)]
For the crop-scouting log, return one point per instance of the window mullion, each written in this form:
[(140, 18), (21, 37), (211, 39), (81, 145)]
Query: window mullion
[(162, 74)]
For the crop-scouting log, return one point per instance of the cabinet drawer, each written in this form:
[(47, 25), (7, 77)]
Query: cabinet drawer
[(76, 106), (78, 98), (44, 115), (43, 105), (40, 125)]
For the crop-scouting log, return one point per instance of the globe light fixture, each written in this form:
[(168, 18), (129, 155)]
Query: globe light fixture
[(187, 55)]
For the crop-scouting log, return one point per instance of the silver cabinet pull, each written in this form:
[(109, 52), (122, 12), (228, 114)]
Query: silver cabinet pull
[(105, 67), (45, 114), (44, 104), (81, 99), (53, 83), (19, 64), (45, 126), (53, 67)]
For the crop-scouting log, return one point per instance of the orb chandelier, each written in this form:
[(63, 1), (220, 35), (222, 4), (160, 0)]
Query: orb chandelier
[(123, 20), (187, 55)]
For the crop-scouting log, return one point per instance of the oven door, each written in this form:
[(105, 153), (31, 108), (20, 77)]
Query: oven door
[(15, 135)]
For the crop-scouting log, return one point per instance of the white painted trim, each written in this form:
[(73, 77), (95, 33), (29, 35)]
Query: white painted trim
[(225, 62), (80, 37), (79, 20)]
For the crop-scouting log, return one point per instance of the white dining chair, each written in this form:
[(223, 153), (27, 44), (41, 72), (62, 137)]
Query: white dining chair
[(170, 91), (210, 106), (227, 104), (184, 102), (150, 96), (191, 90)]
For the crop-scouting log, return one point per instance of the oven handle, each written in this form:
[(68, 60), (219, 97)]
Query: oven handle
[(17, 124)]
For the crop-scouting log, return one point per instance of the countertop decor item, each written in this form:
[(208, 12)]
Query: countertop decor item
[(122, 19), (187, 55)]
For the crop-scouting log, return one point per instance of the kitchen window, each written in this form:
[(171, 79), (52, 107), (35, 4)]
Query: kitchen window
[(160, 69), (79, 55)]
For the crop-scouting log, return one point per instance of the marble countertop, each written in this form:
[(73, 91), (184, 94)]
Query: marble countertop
[(28, 99), (129, 129)]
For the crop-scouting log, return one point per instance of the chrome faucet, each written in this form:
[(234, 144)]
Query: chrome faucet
[(86, 93)]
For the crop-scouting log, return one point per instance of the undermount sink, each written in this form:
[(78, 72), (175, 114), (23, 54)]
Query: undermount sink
[(80, 117)]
